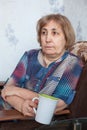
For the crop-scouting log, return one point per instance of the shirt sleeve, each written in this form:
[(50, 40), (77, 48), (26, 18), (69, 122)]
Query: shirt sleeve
[(20, 71), (67, 84)]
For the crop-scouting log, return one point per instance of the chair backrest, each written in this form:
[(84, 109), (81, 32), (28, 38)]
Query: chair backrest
[(80, 49), (78, 107)]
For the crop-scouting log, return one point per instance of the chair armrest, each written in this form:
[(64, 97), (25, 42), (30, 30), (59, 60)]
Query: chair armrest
[(63, 112), (12, 114)]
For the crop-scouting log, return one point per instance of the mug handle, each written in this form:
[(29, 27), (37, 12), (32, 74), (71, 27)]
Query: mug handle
[(35, 98)]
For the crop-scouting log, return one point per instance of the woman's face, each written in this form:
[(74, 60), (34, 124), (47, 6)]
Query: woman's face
[(52, 39)]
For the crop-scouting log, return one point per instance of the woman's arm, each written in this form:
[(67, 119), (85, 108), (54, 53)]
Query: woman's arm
[(17, 91), (23, 106), (60, 106), (10, 89), (15, 102), (19, 98)]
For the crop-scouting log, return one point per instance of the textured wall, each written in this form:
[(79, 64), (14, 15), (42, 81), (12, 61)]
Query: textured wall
[(76, 11)]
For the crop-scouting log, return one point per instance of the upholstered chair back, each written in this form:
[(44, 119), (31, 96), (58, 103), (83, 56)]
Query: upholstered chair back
[(78, 107)]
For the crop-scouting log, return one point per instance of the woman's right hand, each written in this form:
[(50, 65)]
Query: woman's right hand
[(27, 108)]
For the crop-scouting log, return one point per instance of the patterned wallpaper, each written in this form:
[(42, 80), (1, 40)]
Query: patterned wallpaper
[(18, 20), (76, 11), (57, 6)]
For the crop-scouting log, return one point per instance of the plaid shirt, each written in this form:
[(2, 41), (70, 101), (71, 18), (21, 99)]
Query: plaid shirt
[(31, 75)]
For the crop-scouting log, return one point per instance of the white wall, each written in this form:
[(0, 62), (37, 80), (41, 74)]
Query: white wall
[(76, 11)]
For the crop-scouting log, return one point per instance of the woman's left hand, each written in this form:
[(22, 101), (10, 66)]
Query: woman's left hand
[(9, 91), (60, 106)]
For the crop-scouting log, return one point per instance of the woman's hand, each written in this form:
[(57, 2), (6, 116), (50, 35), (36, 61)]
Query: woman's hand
[(60, 106), (27, 108), (9, 91)]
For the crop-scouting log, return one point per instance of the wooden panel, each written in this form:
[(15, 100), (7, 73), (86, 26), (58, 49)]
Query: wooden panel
[(63, 112), (11, 115)]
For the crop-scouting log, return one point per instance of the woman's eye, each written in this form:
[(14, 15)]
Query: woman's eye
[(55, 33), (43, 33)]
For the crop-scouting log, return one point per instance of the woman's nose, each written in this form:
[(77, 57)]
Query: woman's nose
[(48, 38)]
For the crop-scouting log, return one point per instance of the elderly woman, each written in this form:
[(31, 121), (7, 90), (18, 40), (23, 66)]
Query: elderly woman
[(52, 69)]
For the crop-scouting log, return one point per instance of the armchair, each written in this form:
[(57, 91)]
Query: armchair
[(78, 107)]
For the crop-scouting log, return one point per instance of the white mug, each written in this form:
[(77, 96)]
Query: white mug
[(45, 109)]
